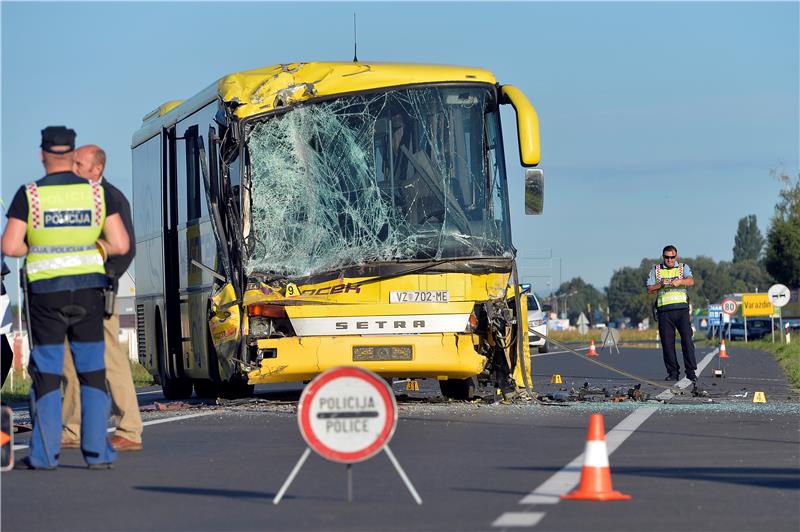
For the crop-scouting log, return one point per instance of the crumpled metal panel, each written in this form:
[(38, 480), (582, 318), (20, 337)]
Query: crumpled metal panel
[(265, 89), (225, 326)]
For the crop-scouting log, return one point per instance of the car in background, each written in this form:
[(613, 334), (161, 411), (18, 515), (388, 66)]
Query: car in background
[(537, 322), (757, 328)]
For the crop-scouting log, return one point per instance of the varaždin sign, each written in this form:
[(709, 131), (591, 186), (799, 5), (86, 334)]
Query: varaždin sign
[(756, 305)]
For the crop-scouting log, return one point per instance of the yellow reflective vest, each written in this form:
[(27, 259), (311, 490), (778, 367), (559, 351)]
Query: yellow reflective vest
[(670, 295), (64, 223)]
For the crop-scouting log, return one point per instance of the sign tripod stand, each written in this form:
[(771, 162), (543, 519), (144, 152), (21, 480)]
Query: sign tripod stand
[(386, 449), (610, 339), (347, 415)]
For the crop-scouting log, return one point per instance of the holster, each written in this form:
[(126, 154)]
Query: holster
[(110, 300)]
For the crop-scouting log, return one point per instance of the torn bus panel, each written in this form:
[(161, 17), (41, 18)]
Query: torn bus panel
[(412, 174), (224, 323)]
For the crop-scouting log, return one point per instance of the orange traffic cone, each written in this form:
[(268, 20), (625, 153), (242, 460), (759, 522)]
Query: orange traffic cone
[(592, 351), (596, 475), (723, 352)]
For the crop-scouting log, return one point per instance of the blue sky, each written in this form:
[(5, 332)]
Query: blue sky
[(660, 122)]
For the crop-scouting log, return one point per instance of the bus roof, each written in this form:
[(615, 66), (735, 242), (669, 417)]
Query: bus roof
[(265, 89)]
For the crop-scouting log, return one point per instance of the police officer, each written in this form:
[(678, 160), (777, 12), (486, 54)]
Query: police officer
[(57, 222), (670, 279)]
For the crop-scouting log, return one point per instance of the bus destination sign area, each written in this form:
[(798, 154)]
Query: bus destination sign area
[(347, 414)]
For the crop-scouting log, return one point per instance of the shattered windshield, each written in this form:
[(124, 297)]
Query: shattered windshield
[(412, 174)]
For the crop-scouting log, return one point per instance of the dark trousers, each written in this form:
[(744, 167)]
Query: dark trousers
[(78, 316), (668, 322)]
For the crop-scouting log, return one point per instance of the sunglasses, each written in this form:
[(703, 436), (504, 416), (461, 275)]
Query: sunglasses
[(669, 257)]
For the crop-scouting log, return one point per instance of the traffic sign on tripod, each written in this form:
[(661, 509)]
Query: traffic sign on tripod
[(347, 415)]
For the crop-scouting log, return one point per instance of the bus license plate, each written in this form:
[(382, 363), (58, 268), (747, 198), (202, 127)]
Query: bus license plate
[(419, 296), (367, 353)]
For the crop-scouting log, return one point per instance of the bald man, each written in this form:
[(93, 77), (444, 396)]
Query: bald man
[(90, 162)]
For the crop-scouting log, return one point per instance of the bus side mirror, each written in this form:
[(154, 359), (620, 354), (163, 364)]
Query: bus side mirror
[(534, 191), (527, 124)]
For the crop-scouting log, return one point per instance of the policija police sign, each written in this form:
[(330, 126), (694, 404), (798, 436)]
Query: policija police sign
[(347, 415)]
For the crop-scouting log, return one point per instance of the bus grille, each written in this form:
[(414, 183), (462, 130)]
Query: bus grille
[(141, 340)]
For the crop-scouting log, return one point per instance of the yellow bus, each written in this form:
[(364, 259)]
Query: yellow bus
[(303, 216)]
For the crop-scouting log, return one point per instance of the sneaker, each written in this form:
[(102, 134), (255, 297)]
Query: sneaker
[(103, 465), (25, 463), (67, 443), (121, 444)]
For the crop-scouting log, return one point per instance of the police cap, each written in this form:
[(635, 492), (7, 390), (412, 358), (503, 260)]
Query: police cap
[(58, 136)]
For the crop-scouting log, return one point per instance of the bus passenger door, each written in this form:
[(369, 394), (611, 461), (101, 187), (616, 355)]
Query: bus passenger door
[(171, 317)]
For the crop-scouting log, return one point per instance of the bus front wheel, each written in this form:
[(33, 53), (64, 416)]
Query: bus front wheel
[(459, 389)]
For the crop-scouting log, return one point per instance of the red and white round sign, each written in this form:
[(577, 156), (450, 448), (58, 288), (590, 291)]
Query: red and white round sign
[(729, 306), (347, 414)]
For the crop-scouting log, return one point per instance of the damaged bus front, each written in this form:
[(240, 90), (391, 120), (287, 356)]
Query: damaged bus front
[(353, 214)]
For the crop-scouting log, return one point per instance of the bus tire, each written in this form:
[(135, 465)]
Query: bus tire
[(236, 388), (544, 348), (206, 389), (459, 389)]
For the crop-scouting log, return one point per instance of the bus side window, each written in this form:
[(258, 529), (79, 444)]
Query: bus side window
[(190, 200), (193, 186)]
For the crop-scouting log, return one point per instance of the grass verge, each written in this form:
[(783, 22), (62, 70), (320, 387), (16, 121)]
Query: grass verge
[(141, 377), (627, 335), (16, 388), (787, 355), (18, 384)]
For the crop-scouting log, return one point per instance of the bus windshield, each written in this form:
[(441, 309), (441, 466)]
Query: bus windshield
[(399, 175)]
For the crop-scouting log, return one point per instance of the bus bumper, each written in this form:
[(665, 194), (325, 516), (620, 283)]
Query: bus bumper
[(437, 356)]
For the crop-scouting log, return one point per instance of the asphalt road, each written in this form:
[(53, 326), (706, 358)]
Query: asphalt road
[(715, 462)]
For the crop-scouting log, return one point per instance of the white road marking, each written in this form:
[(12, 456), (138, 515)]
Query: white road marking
[(515, 519), (146, 424), (684, 382), (569, 476), (176, 418), (563, 481)]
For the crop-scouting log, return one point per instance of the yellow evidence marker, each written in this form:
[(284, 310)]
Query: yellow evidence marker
[(412, 385), (759, 397), (556, 379)]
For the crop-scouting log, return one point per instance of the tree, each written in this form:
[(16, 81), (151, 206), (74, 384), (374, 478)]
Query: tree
[(748, 276), (783, 239), (583, 296), (627, 292), (748, 243), (711, 280)]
